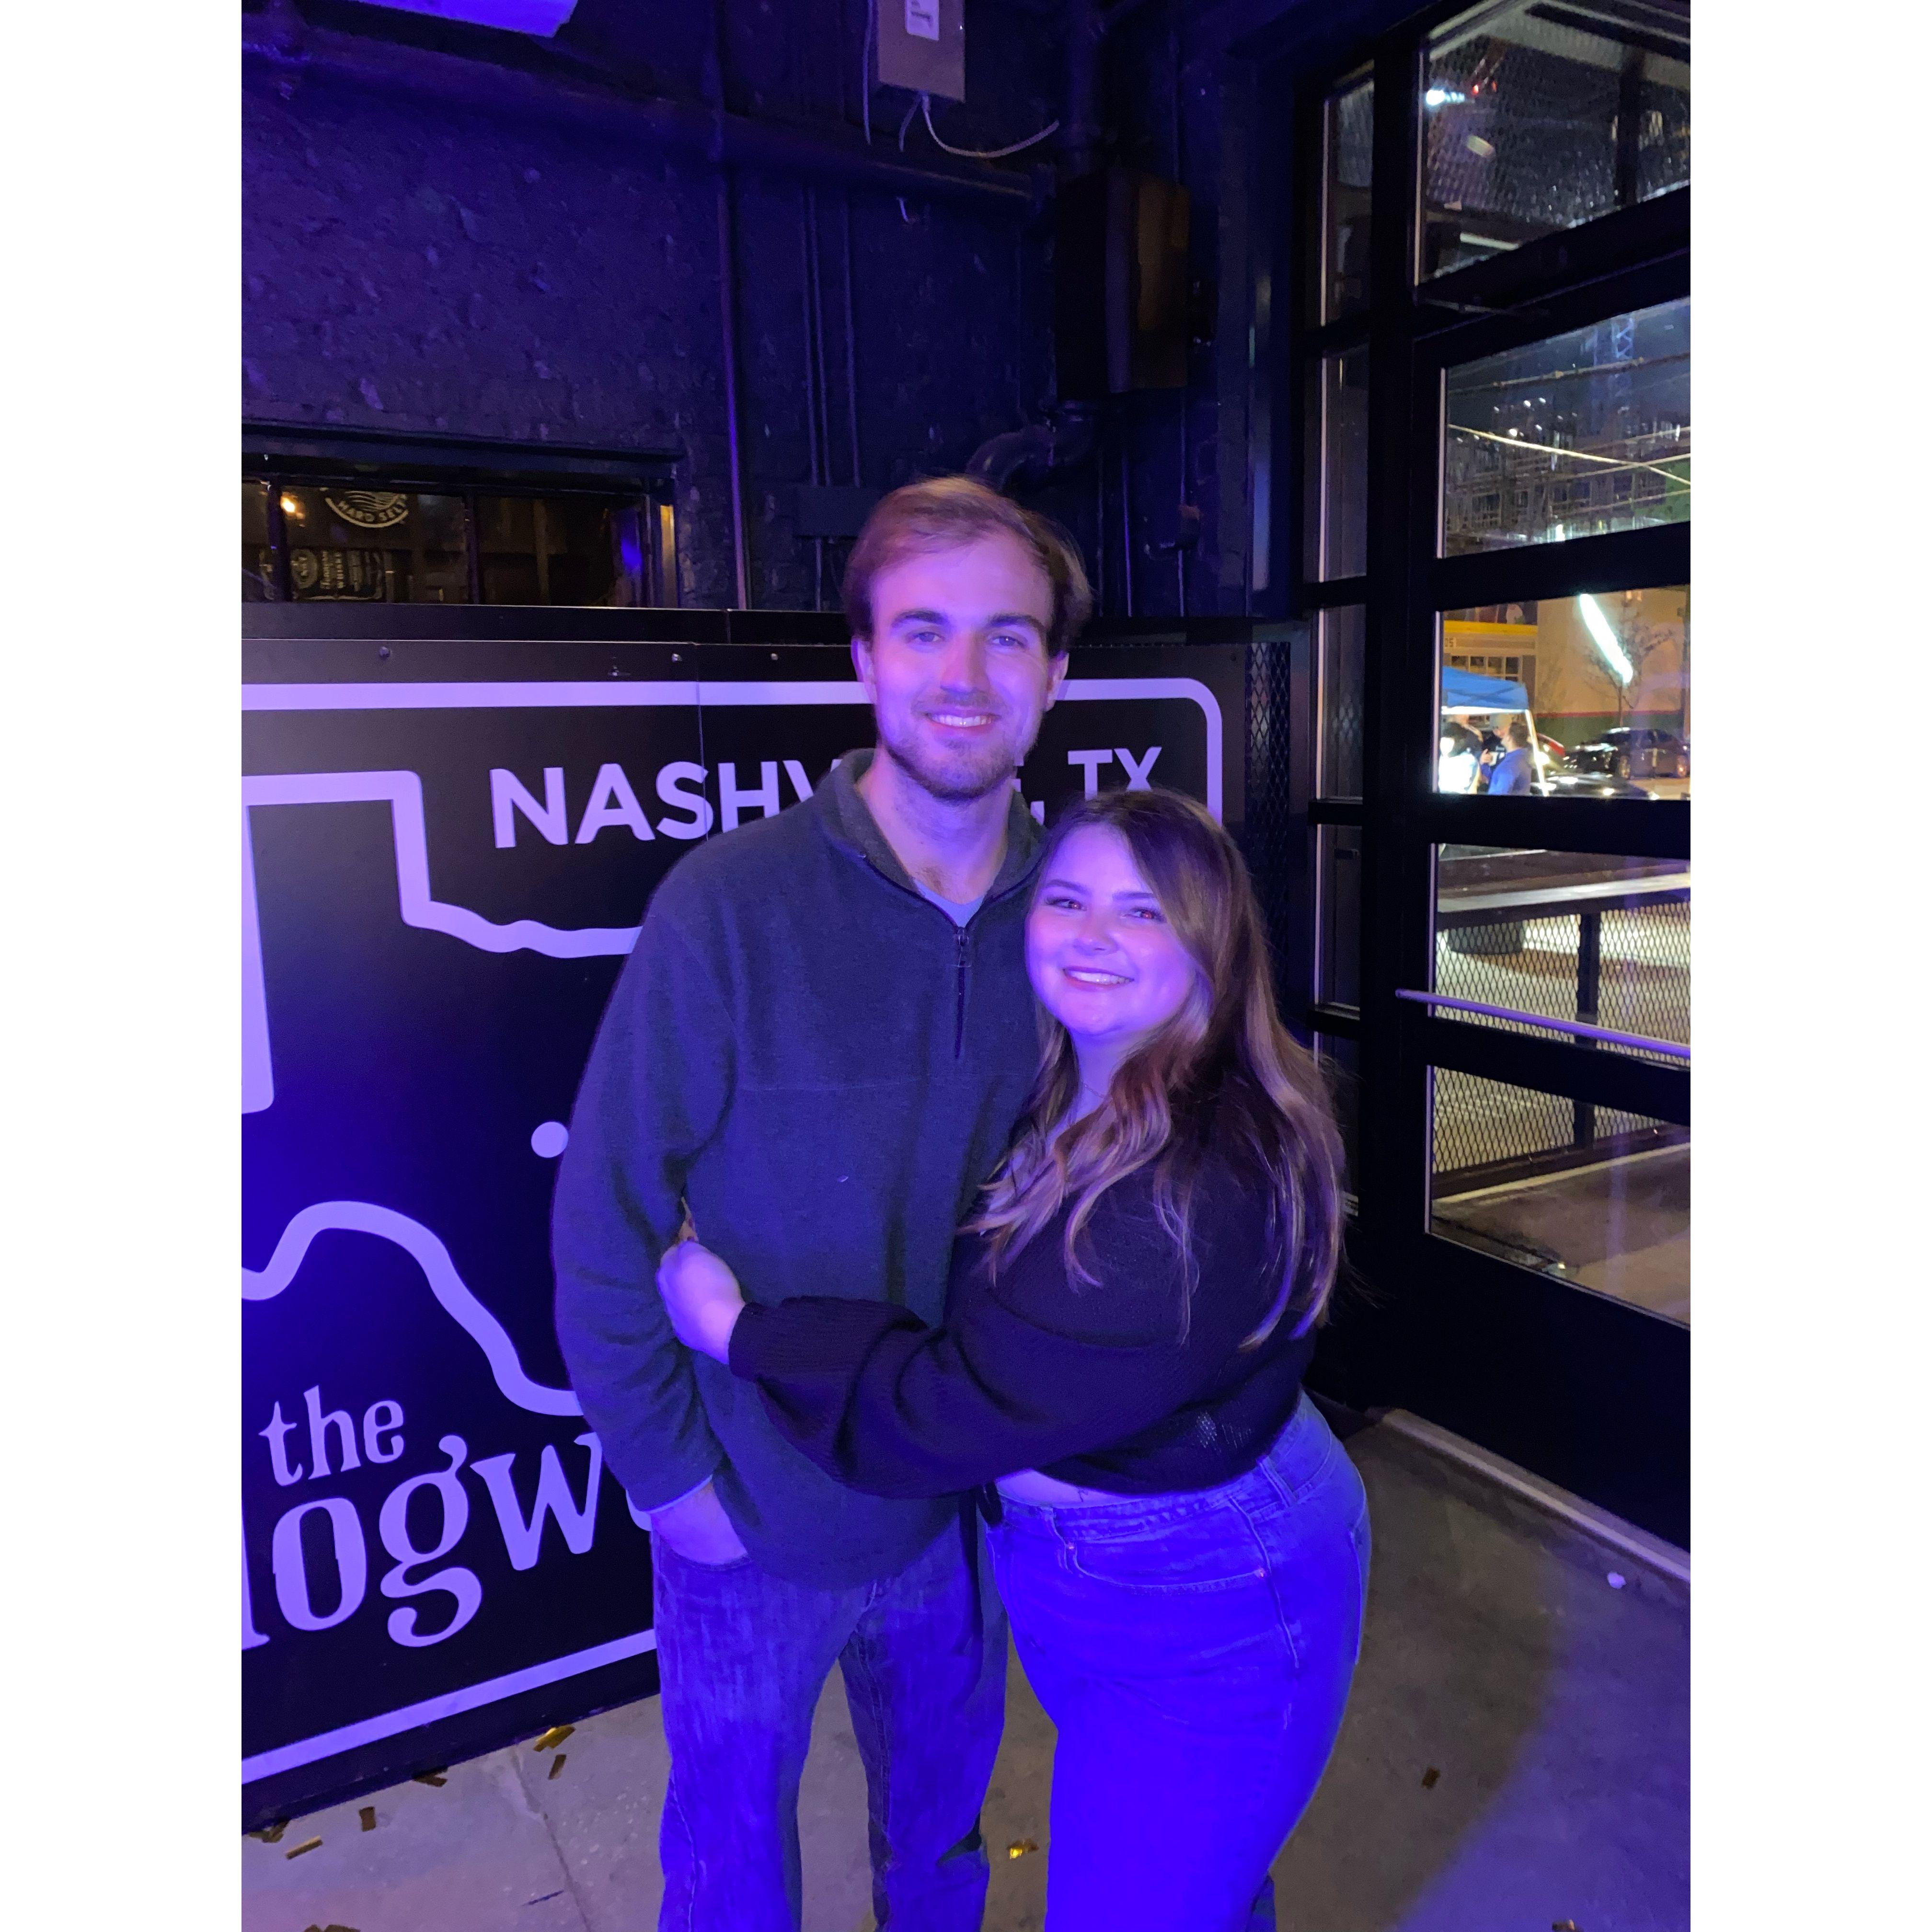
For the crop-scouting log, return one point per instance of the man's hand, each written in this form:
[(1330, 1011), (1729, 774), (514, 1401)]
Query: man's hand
[(698, 1529), (701, 1295)]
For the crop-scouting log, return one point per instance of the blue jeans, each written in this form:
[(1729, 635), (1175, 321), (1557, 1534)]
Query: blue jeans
[(743, 1657), (1194, 1653)]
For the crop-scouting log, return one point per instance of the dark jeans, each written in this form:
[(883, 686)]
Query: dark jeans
[(1194, 1653), (743, 1657)]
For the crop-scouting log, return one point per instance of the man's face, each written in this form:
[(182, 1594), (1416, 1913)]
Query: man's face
[(958, 670)]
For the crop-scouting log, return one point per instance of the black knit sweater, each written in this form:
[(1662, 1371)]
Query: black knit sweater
[(1129, 1384)]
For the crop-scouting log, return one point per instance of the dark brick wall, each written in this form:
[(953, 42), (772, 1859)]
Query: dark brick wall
[(412, 262)]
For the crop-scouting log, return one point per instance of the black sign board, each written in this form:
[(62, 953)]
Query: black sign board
[(448, 846)]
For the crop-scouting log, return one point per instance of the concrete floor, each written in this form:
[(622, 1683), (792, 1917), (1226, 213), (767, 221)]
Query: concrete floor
[(1554, 1707), (1622, 1227)]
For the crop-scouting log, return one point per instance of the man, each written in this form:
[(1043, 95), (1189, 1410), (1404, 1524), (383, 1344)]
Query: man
[(819, 1046), (1515, 769)]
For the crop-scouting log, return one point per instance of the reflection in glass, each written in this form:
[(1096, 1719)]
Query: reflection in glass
[(1337, 517), (1343, 639), (1336, 1057), (1568, 936), (559, 549), (1585, 1193), (258, 556), (1338, 861), (1536, 118), (1571, 437), (1348, 122), (351, 545), (1586, 696)]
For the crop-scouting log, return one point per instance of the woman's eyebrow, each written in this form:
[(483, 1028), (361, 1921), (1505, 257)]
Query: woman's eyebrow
[(1075, 886)]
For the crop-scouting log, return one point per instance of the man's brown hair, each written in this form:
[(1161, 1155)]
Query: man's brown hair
[(946, 512)]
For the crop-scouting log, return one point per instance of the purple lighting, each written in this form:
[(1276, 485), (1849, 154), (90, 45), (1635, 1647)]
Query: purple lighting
[(541, 17)]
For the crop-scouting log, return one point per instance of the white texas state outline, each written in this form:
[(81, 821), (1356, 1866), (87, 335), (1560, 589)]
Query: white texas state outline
[(452, 1292)]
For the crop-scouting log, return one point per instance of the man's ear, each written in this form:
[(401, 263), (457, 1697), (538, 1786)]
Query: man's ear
[(862, 661), (1056, 677)]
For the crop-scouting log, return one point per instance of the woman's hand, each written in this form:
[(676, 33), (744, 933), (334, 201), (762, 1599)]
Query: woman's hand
[(702, 1296)]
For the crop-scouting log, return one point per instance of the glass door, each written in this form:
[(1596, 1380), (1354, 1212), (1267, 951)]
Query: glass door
[(1494, 553)]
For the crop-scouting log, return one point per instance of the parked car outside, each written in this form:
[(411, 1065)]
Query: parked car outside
[(1632, 750), (1591, 784)]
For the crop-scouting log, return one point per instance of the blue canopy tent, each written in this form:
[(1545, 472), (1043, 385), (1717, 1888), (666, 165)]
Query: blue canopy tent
[(1470, 693)]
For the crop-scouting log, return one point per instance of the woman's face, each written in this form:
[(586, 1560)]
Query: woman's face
[(1100, 953)]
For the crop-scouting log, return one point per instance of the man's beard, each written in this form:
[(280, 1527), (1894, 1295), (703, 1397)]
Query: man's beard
[(969, 774)]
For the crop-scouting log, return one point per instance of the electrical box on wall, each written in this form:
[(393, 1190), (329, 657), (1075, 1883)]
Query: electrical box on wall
[(1120, 284), (922, 47)]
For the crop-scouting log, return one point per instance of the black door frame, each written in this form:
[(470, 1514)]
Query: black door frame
[(1591, 1393)]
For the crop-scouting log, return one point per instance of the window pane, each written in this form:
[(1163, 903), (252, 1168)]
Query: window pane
[(1349, 140), (1572, 436), (1343, 639), (1591, 1195), (560, 550), (1584, 697), (1336, 1057), (375, 546), (1338, 860), (258, 557), (1567, 936), (1536, 118), (1336, 537)]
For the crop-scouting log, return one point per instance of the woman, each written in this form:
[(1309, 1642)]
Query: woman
[(1180, 1543), (1460, 758)]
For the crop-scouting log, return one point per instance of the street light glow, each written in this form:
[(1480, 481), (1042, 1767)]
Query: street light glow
[(1605, 639)]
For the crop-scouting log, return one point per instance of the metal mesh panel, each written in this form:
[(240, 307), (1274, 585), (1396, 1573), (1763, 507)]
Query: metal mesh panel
[(1532, 125), (1276, 833), (1539, 966), (1485, 1125), (1642, 985), (1344, 635)]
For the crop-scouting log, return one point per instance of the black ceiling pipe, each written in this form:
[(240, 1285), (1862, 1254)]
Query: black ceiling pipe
[(1033, 456), (1080, 124), (1030, 456)]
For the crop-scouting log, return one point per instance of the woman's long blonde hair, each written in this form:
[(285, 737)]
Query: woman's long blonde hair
[(1223, 1076)]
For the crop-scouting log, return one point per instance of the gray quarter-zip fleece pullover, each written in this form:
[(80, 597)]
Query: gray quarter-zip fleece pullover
[(825, 1068)]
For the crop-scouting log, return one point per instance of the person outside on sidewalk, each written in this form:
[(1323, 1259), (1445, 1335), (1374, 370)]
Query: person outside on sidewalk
[(1514, 772)]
